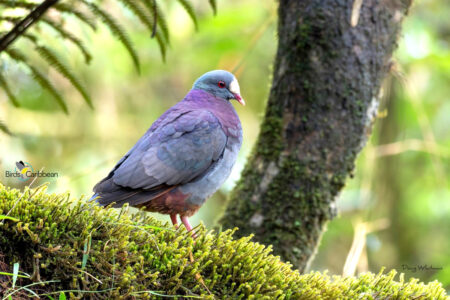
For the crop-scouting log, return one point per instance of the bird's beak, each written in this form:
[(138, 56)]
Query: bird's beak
[(239, 98)]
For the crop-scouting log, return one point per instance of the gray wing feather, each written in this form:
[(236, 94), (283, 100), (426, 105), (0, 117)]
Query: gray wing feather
[(174, 153)]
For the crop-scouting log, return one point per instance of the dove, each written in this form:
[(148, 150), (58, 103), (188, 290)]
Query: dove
[(184, 157)]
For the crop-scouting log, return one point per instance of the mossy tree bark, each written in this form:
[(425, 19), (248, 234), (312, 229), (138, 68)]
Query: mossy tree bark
[(331, 59)]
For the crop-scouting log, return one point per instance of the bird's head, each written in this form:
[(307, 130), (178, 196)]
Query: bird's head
[(221, 84)]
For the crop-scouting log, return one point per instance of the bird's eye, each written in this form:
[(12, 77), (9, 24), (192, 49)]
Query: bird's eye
[(221, 84)]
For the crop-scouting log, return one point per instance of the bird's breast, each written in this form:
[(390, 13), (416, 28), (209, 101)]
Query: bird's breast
[(208, 184)]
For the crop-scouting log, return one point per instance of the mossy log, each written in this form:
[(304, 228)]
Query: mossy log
[(331, 59), (76, 247)]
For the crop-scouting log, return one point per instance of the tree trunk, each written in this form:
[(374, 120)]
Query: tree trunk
[(331, 59)]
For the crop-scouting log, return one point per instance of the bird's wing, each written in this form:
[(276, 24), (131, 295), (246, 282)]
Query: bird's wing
[(178, 151)]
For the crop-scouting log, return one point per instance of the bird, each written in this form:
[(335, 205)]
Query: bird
[(22, 168), (184, 157)]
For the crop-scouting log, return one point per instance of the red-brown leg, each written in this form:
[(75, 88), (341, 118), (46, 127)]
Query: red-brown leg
[(173, 218)]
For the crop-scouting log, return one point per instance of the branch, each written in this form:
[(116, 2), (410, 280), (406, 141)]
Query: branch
[(23, 25)]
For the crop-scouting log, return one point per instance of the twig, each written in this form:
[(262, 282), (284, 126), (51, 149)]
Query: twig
[(198, 276), (356, 9)]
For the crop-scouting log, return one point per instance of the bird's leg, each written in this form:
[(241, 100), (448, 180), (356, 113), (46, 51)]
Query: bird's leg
[(188, 226), (185, 221), (173, 218)]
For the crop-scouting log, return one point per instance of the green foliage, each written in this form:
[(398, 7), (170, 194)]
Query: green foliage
[(213, 4), (116, 29), (81, 15), (8, 91), (59, 27), (4, 128), (190, 10), (86, 13), (75, 247), (53, 60), (146, 19), (38, 77)]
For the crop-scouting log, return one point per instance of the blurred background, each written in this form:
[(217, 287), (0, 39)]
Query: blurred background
[(394, 212)]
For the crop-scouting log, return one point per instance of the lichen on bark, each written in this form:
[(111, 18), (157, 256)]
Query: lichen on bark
[(321, 106)]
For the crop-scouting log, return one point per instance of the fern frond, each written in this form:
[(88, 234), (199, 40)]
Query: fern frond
[(162, 23), (16, 55), (18, 4), (58, 27), (61, 7), (54, 61), (213, 4), (5, 128), (190, 10), (147, 11), (116, 29), (162, 45), (4, 84), (145, 18), (135, 7), (79, 14), (38, 77), (154, 9), (46, 84), (151, 7), (31, 37), (10, 19)]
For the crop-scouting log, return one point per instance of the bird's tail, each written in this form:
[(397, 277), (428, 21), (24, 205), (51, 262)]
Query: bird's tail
[(107, 192), (94, 197)]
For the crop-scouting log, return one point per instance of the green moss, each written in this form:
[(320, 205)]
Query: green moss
[(118, 255), (270, 142), (308, 184), (295, 202)]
